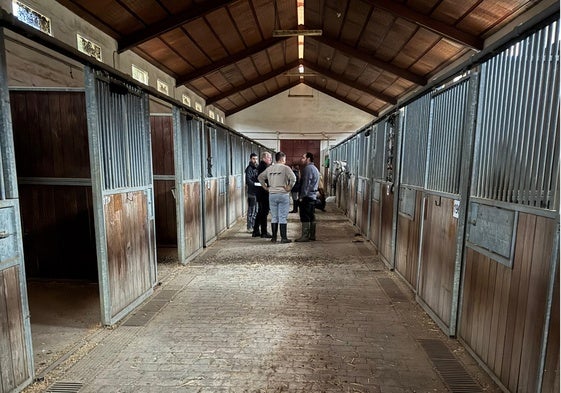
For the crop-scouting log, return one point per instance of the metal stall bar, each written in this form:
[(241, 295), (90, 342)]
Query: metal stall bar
[(178, 158), (15, 341)]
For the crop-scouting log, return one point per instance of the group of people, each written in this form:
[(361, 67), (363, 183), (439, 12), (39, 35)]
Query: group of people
[(269, 188)]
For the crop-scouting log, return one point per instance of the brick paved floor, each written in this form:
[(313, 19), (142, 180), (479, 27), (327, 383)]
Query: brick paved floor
[(251, 316)]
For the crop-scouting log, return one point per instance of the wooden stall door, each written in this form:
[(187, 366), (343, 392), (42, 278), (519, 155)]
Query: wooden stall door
[(161, 127), (121, 162), (386, 232), (16, 356), (438, 256)]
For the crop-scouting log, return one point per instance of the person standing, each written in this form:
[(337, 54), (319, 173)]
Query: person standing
[(296, 189), (260, 226), (309, 180), (278, 180), (251, 173)]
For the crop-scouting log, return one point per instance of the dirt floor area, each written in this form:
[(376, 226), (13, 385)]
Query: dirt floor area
[(65, 313)]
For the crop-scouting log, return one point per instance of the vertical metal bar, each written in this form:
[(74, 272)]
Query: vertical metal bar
[(94, 140), (467, 146), (554, 265), (491, 133), (202, 173), (537, 121), (178, 156), (396, 185), (552, 125), (8, 182), (483, 147)]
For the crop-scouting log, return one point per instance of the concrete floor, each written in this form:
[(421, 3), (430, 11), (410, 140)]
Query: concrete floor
[(251, 316)]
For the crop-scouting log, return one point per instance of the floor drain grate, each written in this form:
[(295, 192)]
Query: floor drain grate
[(392, 290), (65, 387), (450, 369)]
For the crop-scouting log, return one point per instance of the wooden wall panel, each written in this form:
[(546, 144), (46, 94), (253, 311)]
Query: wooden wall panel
[(192, 212), (551, 372), (14, 369), (295, 149), (128, 248), (58, 232), (362, 207), (375, 224), (407, 243), (161, 130), (386, 199), (503, 309), (50, 134), (438, 256), (351, 199), (165, 213), (235, 191), (211, 208)]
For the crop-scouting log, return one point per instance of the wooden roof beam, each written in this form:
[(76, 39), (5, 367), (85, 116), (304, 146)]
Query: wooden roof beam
[(263, 45), (252, 82), (341, 79), (383, 65), (263, 98), (440, 28), (174, 21), (342, 99)]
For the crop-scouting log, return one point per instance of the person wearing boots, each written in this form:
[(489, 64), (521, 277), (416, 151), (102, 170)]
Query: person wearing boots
[(251, 173), (296, 189), (309, 180), (278, 180), (260, 226)]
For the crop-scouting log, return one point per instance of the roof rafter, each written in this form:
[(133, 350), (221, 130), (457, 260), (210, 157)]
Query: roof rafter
[(443, 29), (352, 52), (252, 82), (263, 45), (263, 98), (174, 21), (342, 99), (339, 78)]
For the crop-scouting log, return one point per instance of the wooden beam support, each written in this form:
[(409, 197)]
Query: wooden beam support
[(440, 28), (263, 98), (383, 65), (251, 83), (170, 23), (341, 79), (342, 99), (263, 45)]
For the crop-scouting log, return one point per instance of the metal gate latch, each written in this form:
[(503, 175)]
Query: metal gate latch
[(4, 234)]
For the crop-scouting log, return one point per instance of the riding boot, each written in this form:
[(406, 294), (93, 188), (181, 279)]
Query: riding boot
[(284, 239), (313, 230), (275, 229), (305, 233), (294, 206)]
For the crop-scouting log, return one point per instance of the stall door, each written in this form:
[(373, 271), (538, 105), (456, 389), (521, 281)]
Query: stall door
[(188, 185), (16, 356), (121, 165)]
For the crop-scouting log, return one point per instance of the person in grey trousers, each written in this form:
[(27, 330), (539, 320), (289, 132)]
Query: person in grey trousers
[(278, 180)]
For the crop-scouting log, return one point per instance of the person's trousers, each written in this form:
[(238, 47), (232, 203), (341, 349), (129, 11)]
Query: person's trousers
[(260, 225), (307, 210), (252, 209), (280, 205)]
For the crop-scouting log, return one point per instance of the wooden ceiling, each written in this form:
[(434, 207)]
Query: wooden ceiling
[(370, 53)]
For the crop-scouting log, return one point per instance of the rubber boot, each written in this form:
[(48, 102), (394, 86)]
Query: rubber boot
[(294, 206), (275, 229), (313, 231), (284, 239), (305, 233)]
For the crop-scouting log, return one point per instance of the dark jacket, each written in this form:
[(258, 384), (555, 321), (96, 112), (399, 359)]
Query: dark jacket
[(261, 193), (296, 187), (251, 173)]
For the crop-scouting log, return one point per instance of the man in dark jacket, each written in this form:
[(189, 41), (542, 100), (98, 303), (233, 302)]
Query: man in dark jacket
[(260, 226), (251, 173)]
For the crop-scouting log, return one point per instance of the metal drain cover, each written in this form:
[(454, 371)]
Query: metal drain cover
[(65, 387)]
